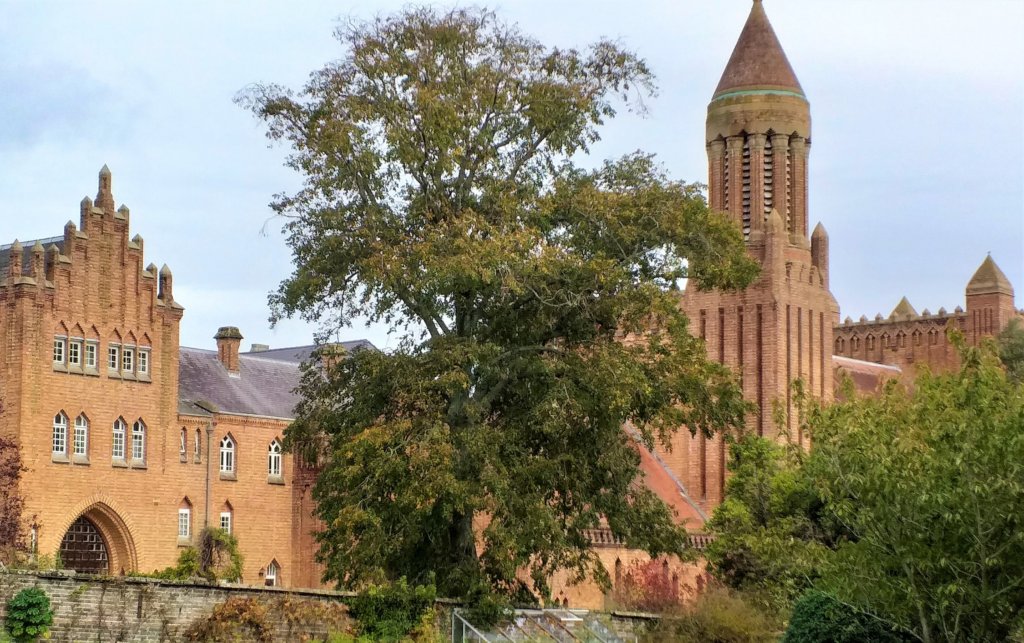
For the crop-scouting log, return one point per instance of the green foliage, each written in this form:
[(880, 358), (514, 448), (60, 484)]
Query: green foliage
[(12, 533), (647, 586), (1011, 349), (441, 199), (820, 618), (29, 616), (236, 619), (716, 616), (929, 483), (390, 612), (771, 532), (216, 558)]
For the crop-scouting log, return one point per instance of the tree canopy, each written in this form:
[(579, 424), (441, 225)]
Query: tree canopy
[(907, 512), (537, 299)]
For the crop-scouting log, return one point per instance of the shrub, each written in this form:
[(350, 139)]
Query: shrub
[(217, 557), (236, 619), (649, 586), (390, 612), (29, 616), (820, 618), (716, 616)]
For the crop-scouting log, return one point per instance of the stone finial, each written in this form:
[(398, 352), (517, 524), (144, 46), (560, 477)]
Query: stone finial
[(17, 253), (165, 285), (958, 310), (104, 195), (863, 319), (878, 317), (942, 312), (151, 269), (38, 263), (847, 320), (776, 225), (926, 313)]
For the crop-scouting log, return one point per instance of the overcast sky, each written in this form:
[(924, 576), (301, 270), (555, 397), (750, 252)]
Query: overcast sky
[(916, 168)]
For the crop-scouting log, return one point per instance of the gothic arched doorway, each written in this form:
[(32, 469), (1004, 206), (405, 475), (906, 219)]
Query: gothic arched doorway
[(84, 549), (98, 542)]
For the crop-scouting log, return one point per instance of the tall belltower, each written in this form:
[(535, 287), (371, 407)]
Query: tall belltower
[(779, 329)]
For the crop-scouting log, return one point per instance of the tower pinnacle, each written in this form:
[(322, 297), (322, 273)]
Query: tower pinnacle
[(758, 61)]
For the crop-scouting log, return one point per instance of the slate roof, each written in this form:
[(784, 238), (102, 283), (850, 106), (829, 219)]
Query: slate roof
[(299, 354), (26, 257), (758, 61), (262, 387)]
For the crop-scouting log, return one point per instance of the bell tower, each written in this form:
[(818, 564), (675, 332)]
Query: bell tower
[(779, 329)]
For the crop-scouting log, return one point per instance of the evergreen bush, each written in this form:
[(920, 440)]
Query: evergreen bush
[(29, 615)]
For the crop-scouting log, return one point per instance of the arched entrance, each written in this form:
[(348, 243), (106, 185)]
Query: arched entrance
[(83, 548), (98, 542)]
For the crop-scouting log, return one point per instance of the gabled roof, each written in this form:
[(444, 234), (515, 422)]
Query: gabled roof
[(758, 61), (263, 387), (988, 278)]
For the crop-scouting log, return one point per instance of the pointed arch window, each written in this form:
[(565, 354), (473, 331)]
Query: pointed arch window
[(184, 521), (60, 435), (227, 456), (117, 443), (271, 577), (274, 458), (81, 441), (138, 442), (197, 448)]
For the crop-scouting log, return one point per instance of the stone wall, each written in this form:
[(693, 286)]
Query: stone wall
[(96, 608), (88, 608)]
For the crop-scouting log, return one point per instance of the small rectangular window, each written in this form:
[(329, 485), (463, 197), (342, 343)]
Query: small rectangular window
[(75, 353), (58, 350), (90, 355), (184, 523), (113, 357), (143, 362), (225, 521), (127, 360)]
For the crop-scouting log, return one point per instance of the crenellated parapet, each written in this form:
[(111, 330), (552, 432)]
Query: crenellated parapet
[(907, 338)]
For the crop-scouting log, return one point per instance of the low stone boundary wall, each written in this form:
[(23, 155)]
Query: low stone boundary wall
[(94, 608), (102, 608)]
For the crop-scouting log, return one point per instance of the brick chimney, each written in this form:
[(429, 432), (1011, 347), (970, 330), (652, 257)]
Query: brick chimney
[(229, 339)]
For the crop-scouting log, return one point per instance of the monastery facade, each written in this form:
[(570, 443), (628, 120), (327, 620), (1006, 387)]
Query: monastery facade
[(133, 443)]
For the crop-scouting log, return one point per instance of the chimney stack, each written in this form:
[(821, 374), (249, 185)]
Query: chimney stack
[(229, 339)]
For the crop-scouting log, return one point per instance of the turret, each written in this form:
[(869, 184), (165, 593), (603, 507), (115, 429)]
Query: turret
[(989, 300), (819, 251), (758, 135)]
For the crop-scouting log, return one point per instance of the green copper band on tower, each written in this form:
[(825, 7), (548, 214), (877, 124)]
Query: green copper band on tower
[(759, 92)]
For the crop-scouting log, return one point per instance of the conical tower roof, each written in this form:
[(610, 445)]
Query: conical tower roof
[(758, 61), (988, 278)]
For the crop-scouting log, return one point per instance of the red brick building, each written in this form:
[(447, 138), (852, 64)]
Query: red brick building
[(133, 443)]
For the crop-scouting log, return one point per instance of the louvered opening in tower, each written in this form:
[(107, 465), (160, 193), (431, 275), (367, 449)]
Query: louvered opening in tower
[(725, 183), (768, 177), (788, 187), (746, 189)]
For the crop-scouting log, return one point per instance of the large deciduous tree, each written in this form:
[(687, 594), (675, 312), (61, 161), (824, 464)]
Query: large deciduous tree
[(537, 300)]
